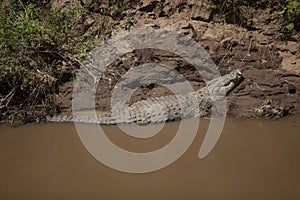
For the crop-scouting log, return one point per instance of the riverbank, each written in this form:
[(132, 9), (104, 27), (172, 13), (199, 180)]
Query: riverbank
[(270, 66), (256, 38)]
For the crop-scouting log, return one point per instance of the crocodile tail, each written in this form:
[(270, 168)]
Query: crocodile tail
[(99, 119)]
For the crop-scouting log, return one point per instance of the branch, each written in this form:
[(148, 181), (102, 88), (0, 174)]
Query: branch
[(7, 99)]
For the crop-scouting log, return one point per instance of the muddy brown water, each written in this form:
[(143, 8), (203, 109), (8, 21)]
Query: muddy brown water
[(252, 160)]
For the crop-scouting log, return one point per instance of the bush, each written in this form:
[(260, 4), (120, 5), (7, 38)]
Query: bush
[(34, 44), (290, 13)]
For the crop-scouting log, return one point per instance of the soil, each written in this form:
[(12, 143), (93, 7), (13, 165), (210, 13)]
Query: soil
[(249, 41)]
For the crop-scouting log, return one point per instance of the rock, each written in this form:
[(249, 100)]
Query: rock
[(292, 89), (149, 7), (200, 11), (89, 21), (290, 62), (63, 3), (290, 46), (271, 111)]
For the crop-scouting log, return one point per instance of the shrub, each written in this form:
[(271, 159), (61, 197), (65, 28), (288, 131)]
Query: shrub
[(34, 44)]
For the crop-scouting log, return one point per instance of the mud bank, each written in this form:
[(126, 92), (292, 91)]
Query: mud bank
[(270, 65)]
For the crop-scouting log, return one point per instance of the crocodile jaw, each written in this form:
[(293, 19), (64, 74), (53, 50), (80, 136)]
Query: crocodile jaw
[(223, 85)]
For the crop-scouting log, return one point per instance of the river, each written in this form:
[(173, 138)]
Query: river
[(253, 159)]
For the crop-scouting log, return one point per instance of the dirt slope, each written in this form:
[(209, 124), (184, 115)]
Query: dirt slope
[(250, 39)]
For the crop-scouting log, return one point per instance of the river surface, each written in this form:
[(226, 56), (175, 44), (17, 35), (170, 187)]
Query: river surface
[(252, 160)]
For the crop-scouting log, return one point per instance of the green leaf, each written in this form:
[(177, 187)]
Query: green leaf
[(83, 53), (282, 11), (294, 5), (290, 26)]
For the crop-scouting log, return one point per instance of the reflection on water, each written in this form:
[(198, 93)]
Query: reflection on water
[(252, 160)]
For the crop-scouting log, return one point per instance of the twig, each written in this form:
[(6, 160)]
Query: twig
[(46, 76), (230, 48), (7, 98), (249, 49)]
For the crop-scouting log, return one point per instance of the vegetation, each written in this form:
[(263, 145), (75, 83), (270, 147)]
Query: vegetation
[(39, 49), (127, 25), (289, 11)]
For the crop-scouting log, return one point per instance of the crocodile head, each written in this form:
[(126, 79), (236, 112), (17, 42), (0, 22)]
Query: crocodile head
[(224, 84)]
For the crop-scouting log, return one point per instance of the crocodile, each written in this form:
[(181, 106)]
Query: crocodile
[(163, 108)]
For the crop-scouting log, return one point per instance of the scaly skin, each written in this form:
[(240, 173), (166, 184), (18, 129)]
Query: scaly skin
[(164, 108)]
